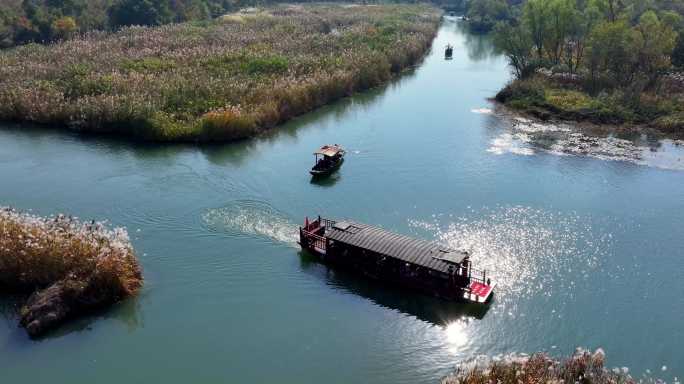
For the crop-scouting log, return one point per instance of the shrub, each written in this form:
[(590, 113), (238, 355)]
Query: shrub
[(569, 100), (523, 93), (673, 123), (266, 65)]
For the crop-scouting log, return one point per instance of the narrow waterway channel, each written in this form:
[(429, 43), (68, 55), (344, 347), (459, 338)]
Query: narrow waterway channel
[(586, 244)]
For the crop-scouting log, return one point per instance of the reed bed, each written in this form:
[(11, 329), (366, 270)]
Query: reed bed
[(583, 367), (226, 79), (71, 266)]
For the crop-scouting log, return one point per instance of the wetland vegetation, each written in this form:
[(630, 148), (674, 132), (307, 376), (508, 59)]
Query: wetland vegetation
[(603, 61), (582, 367), (69, 266), (224, 79)]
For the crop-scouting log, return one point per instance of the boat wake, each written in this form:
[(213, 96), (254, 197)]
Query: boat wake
[(526, 137), (528, 252), (252, 219)]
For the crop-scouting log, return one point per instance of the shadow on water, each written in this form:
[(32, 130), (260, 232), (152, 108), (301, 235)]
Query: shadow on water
[(326, 181), (479, 47), (425, 308), (9, 307), (126, 312)]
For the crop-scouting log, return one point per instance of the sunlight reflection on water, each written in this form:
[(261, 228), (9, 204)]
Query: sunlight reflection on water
[(457, 334), (528, 252)]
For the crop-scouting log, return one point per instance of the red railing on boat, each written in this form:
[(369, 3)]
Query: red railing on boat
[(312, 233)]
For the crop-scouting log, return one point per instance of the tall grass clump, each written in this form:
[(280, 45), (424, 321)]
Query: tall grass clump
[(69, 266), (583, 367), (226, 79)]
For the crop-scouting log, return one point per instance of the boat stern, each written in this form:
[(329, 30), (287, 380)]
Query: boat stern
[(479, 292)]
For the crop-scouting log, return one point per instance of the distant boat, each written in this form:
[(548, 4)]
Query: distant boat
[(449, 52), (328, 159)]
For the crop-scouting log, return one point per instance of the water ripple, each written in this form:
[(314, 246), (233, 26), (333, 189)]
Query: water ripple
[(528, 252), (252, 218)]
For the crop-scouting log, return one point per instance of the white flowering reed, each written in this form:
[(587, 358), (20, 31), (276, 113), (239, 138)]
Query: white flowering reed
[(38, 251), (583, 367)]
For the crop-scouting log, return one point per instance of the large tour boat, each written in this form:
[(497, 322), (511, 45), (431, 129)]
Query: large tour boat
[(386, 256)]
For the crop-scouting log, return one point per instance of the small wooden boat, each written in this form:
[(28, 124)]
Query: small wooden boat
[(412, 263), (328, 159), (449, 52)]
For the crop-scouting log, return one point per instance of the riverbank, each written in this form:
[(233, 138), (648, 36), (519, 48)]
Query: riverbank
[(583, 367), (561, 98), (226, 79), (67, 266)]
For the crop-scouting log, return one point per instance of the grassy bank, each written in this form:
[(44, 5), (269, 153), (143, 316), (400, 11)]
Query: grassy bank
[(583, 367), (221, 80), (548, 98), (69, 266)]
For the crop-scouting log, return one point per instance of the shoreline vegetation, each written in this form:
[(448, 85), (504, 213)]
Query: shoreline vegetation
[(68, 267), (582, 367), (226, 79), (606, 62), (543, 98)]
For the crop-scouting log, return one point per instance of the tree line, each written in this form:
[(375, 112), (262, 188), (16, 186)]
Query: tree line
[(483, 15), (608, 42), (25, 21), (43, 21)]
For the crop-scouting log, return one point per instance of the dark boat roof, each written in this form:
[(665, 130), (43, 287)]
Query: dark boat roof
[(414, 251)]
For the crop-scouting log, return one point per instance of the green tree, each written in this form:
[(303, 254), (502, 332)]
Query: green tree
[(516, 43), (140, 12), (654, 42), (536, 21), (484, 14), (562, 16), (192, 10), (611, 52), (678, 53), (64, 27), (583, 22), (610, 8)]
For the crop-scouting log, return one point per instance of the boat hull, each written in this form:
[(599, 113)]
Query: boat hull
[(326, 171), (453, 293)]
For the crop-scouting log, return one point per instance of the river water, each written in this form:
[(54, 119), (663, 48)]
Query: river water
[(584, 236)]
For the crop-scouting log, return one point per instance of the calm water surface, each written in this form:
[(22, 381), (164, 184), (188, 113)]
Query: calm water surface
[(584, 236)]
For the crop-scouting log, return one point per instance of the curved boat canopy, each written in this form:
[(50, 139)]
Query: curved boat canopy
[(329, 150)]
